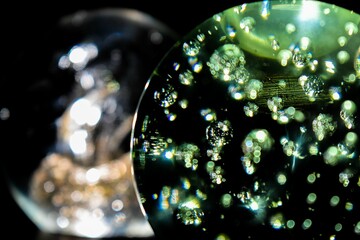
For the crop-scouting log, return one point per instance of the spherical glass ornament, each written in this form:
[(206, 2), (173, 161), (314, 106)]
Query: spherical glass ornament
[(249, 127), (68, 122)]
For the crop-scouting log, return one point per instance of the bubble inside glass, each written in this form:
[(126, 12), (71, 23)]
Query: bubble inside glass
[(249, 127)]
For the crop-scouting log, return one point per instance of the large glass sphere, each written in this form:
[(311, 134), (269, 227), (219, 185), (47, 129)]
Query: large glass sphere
[(249, 127), (67, 119)]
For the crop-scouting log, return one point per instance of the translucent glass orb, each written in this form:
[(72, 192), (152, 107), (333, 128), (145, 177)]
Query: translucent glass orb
[(249, 127), (68, 118)]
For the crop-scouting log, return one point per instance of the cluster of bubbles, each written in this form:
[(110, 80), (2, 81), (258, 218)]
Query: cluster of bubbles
[(248, 127)]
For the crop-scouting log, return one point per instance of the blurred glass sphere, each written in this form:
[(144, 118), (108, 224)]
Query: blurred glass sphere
[(249, 128), (67, 119)]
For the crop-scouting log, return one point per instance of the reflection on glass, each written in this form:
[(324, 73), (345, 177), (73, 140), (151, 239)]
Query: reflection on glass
[(81, 181), (248, 129)]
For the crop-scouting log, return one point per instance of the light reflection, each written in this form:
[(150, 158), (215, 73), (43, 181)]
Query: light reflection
[(266, 9), (83, 112), (4, 114), (79, 56), (91, 226), (309, 11), (77, 142)]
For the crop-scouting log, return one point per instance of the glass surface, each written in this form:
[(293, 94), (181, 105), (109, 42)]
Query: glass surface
[(68, 122), (249, 127)]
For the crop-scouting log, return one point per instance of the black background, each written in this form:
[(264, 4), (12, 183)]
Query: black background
[(23, 24)]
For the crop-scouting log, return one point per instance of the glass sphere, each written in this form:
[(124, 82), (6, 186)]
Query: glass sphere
[(68, 119), (249, 128)]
